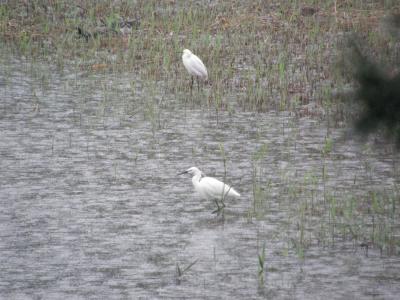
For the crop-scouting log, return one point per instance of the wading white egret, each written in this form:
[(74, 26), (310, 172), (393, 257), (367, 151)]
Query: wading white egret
[(194, 65), (209, 187)]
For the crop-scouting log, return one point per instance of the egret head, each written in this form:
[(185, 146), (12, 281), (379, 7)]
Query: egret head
[(187, 52), (192, 171)]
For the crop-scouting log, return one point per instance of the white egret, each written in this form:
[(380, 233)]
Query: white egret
[(194, 65), (209, 187)]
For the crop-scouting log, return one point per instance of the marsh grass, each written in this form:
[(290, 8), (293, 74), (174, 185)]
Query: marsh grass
[(260, 56), (318, 213), (364, 220)]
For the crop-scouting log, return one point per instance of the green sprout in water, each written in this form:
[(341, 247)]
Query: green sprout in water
[(261, 266), (181, 271)]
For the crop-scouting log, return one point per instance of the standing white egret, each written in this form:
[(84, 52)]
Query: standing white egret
[(194, 65), (209, 187)]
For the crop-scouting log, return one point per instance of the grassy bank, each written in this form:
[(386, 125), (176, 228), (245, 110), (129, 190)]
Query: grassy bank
[(260, 56)]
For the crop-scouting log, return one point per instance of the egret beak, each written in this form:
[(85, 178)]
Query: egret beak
[(181, 173)]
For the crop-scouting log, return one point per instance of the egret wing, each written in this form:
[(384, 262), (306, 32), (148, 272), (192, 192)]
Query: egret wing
[(198, 67), (211, 187)]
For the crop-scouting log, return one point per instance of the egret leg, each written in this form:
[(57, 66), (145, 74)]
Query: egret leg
[(220, 208), (191, 83)]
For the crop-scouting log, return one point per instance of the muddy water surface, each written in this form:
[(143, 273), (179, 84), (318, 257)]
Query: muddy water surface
[(92, 206)]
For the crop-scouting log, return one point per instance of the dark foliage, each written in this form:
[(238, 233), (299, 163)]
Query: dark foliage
[(379, 94)]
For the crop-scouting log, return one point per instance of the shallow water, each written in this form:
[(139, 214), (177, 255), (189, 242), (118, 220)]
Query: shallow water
[(92, 207)]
